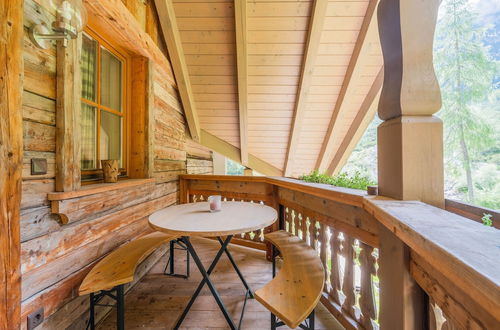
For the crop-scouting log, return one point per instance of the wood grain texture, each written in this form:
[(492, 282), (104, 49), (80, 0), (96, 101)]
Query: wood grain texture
[(316, 23), (240, 17), (170, 30), (195, 219), (68, 107), (464, 250), (293, 303), (11, 153), (119, 266), (410, 84), (349, 84)]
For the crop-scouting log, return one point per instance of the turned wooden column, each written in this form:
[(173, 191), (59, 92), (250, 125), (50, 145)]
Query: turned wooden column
[(410, 146), (11, 160), (410, 140)]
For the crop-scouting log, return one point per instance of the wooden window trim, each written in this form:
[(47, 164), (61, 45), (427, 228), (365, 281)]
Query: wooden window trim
[(126, 59)]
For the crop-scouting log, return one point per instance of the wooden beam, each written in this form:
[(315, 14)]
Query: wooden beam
[(368, 27), (313, 40), (358, 126), (240, 15), (234, 153), (172, 37), (68, 174), (11, 160)]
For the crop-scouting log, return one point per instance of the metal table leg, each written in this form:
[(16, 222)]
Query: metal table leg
[(206, 280)]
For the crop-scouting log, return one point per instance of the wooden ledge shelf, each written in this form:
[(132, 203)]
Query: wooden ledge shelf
[(97, 188), (100, 198)]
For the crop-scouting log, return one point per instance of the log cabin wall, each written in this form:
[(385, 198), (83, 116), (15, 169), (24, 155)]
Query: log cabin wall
[(57, 250)]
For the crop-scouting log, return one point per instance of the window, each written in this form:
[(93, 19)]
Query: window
[(103, 112)]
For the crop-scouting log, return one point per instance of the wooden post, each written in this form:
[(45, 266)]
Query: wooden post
[(11, 156), (142, 124), (410, 145), (410, 141), (68, 175)]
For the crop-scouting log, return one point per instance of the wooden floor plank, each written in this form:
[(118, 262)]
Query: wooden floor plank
[(157, 300)]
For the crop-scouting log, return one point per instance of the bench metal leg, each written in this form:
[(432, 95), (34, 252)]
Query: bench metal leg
[(120, 307), (171, 259), (118, 294), (91, 323)]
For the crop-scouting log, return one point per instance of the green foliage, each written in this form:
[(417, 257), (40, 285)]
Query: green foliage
[(467, 74), (233, 168), (356, 181), (487, 220)]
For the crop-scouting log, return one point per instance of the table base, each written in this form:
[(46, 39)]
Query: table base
[(206, 280)]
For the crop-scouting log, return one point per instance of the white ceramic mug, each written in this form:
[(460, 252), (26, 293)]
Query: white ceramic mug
[(215, 203)]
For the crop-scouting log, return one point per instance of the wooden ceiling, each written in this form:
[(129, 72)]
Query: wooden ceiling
[(283, 86)]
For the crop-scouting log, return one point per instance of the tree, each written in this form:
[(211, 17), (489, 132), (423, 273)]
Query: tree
[(466, 73)]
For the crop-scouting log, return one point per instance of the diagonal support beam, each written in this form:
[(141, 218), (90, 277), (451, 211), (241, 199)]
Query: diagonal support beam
[(358, 126), (368, 27), (240, 16), (313, 40), (172, 38), (224, 148)]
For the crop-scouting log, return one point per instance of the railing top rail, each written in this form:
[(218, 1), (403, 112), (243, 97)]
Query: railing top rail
[(467, 252), (344, 195)]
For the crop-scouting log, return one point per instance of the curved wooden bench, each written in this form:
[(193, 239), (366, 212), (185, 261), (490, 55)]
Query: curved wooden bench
[(110, 274), (294, 293)]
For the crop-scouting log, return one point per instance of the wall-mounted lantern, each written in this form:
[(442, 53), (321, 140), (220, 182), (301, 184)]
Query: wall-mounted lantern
[(71, 18)]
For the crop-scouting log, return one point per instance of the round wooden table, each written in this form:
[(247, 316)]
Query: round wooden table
[(195, 219)]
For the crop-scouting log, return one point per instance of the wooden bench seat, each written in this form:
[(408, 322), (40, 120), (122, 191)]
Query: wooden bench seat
[(294, 293), (108, 276), (119, 266)]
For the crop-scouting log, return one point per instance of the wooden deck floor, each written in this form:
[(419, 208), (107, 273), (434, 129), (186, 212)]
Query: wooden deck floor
[(157, 300)]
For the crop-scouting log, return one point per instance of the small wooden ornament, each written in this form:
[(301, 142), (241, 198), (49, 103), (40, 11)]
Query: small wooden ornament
[(110, 170)]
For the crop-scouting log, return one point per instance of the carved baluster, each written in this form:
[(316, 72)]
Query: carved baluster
[(323, 242), (288, 220), (335, 249), (348, 282), (367, 301), (296, 221), (303, 228), (312, 233)]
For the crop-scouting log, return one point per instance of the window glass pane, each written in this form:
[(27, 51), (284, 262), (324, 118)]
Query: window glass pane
[(89, 68), (111, 137), (111, 80), (89, 137)]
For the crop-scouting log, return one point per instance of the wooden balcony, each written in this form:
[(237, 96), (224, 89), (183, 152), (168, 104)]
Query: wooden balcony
[(158, 300)]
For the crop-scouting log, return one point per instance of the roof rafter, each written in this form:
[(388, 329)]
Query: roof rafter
[(349, 83), (234, 153), (358, 126), (240, 15), (311, 51), (168, 23)]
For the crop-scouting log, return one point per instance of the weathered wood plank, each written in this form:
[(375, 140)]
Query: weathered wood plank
[(35, 192), (55, 270), (68, 108), (38, 221), (39, 137), (94, 205), (11, 153), (44, 249)]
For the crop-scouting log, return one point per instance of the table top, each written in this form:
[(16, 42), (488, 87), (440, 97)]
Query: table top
[(195, 219)]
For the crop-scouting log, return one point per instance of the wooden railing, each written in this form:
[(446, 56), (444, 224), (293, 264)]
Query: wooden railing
[(460, 277)]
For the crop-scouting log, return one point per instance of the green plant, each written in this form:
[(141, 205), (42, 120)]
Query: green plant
[(357, 181), (487, 220)]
